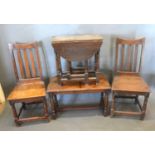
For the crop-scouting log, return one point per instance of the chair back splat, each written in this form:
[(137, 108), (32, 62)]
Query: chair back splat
[(26, 60), (129, 55)]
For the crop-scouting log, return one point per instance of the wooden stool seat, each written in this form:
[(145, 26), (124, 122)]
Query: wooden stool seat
[(129, 83), (76, 87), (27, 89), (102, 87)]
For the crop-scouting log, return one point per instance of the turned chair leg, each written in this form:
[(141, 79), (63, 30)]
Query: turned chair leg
[(144, 107)]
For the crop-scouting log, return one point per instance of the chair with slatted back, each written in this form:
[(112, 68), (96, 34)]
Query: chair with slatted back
[(127, 82), (30, 88)]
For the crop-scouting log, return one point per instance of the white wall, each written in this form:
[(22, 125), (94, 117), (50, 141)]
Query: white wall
[(24, 33)]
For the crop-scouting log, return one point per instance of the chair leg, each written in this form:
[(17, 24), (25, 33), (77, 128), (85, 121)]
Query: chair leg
[(45, 108), (16, 119), (113, 105), (144, 106)]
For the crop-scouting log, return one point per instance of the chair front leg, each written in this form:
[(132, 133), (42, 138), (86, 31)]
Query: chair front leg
[(16, 118), (144, 106)]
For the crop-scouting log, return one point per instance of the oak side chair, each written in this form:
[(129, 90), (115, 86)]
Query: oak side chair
[(30, 88), (127, 82)]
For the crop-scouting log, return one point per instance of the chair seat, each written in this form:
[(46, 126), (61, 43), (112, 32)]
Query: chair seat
[(128, 83), (27, 89)]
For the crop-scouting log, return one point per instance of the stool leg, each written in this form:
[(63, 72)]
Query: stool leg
[(53, 106), (101, 100), (106, 105), (136, 99), (113, 105), (56, 102), (24, 106), (144, 106)]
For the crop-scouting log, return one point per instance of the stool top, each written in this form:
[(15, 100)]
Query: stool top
[(78, 87)]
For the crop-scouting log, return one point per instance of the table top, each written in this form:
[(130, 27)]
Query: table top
[(76, 38), (78, 87)]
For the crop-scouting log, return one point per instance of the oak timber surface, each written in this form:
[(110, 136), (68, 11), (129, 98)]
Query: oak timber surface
[(129, 83), (28, 89), (77, 87), (75, 38)]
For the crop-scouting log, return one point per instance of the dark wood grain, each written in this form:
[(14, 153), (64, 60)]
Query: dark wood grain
[(74, 87), (79, 48)]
